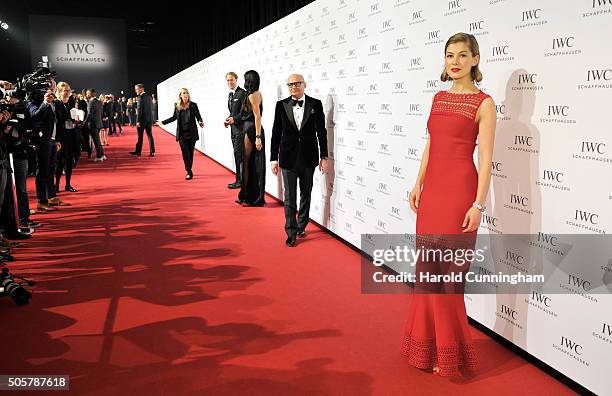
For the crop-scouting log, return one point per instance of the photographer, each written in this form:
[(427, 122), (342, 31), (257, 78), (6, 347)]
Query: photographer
[(17, 144), (44, 127)]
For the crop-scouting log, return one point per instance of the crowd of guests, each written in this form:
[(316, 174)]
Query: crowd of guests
[(46, 133)]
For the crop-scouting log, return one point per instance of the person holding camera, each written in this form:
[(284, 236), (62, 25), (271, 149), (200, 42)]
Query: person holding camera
[(44, 128)]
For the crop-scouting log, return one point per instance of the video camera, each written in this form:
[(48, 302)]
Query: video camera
[(34, 84)]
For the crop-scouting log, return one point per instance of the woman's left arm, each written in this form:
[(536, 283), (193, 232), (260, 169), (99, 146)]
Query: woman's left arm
[(255, 100), (486, 137), (197, 115), (486, 119)]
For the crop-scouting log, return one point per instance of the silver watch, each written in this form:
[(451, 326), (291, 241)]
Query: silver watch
[(478, 206)]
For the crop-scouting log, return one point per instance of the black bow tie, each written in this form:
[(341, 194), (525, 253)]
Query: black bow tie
[(297, 102)]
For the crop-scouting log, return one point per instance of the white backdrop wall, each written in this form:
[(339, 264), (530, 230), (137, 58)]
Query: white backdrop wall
[(376, 65)]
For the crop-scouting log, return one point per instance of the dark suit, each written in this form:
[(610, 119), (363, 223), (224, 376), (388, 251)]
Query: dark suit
[(234, 105), (44, 124), (93, 123), (144, 115), (297, 151), (186, 132), (116, 118)]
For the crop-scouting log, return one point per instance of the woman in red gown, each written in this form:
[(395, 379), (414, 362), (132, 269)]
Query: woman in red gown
[(448, 198)]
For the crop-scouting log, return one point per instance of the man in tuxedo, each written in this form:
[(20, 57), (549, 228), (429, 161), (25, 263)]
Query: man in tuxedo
[(298, 136), (235, 99), (93, 122), (144, 120)]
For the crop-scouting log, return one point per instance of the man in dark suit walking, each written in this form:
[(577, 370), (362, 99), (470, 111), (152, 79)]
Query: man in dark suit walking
[(144, 120), (298, 136), (93, 122), (235, 100)]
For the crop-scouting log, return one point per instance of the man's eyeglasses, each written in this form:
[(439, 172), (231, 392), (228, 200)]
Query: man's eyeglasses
[(295, 84)]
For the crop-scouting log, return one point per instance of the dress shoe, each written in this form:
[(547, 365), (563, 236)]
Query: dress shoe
[(290, 241), (152, 155), (57, 202), (20, 234), (70, 189), (235, 185), (44, 208), (254, 205), (189, 176), (301, 234), (5, 243), (6, 258), (135, 153), (31, 224), (239, 201)]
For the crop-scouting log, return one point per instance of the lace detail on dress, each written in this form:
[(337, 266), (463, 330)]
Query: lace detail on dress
[(452, 360), (463, 105)]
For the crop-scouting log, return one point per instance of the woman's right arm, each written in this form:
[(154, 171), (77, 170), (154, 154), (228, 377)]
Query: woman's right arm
[(415, 194), (169, 120)]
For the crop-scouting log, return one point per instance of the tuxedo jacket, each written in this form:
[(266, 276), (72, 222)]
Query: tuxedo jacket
[(144, 110), (192, 132), (311, 138), (235, 106)]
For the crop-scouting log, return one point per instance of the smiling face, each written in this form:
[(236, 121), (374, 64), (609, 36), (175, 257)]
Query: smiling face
[(459, 60), (231, 81)]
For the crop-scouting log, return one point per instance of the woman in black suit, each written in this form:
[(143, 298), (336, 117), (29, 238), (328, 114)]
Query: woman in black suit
[(186, 113)]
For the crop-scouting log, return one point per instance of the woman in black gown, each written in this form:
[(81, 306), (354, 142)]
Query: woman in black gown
[(253, 187)]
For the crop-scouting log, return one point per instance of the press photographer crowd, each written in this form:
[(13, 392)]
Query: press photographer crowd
[(45, 126)]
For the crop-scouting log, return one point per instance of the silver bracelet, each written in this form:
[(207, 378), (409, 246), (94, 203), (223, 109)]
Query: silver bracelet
[(478, 206)]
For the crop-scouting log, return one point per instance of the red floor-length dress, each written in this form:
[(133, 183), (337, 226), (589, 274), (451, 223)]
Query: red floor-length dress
[(437, 332)]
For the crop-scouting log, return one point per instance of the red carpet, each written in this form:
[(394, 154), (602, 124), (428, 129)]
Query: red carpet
[(150, 284)]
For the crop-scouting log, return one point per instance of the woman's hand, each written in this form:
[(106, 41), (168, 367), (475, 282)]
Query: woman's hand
[(414, 198), (258, 144), (201, 124), (472, 220)]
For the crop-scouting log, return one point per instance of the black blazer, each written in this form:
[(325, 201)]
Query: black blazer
[(235, 107), (43, 118), (144, 110), (94, 114), (286, 137), (192, 132)]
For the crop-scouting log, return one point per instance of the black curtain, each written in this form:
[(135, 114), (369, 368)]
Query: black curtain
[(161, 41)]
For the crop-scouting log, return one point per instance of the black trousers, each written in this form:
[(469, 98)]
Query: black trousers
[(114, 124), (95, 136), (141, 129), (20, 167), (65, 158), (44, 151), (187, 147), (238, 144), (291, 177)]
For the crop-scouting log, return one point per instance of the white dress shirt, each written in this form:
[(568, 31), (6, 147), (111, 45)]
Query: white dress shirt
[(298, 112)]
